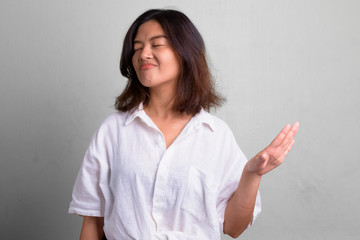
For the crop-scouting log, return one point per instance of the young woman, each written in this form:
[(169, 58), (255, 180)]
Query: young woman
[(162, 167)]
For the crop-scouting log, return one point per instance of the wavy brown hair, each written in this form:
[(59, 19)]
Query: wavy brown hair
[(195, 88)]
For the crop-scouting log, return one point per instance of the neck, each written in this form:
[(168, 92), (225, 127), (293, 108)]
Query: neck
[(161, 103), (158, 107)]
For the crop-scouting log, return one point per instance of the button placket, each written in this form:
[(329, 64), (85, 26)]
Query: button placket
[(159, 198), (161, 181)]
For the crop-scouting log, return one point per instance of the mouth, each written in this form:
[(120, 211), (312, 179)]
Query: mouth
[(147, 66)]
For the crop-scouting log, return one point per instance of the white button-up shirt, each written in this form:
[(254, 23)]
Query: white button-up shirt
[(145, 191)]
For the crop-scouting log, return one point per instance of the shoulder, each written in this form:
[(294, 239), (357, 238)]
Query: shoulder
[(114, 119), (110, 128), (218, 125), (223, 133), (113, 122)]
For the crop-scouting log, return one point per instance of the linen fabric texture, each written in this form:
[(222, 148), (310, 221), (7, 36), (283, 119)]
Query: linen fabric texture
[(145, 191)]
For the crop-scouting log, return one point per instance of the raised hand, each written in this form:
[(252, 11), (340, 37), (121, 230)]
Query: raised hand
[(274, 154)]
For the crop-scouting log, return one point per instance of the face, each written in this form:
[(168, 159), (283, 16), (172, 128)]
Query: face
[(155, 61)]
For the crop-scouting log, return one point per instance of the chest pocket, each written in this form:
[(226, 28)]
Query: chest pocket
[(200, 197)]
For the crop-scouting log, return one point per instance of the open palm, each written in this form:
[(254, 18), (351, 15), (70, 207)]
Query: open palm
[(274, 154)]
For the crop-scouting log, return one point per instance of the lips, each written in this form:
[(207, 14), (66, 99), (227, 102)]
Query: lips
[(147, 66)]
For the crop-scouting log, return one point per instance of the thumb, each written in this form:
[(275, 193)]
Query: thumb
[(264, 158)]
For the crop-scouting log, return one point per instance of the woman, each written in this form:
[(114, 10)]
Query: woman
[(162, 167)]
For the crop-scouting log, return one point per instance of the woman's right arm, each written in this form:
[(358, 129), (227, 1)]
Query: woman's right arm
[(92, 228)]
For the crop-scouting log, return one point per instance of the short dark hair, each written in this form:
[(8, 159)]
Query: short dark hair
[(195, 89)]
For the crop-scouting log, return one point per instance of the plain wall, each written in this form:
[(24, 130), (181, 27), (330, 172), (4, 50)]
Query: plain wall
[(276, 62)]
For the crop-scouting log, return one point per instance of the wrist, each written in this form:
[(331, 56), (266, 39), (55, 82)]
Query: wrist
[(247, 189), (251, 175), (250, 171)]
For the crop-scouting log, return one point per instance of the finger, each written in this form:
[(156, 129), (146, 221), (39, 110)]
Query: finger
[(294, 134), (290, 135), (289, 147), (280, 137), (264, 158), (296, 127)]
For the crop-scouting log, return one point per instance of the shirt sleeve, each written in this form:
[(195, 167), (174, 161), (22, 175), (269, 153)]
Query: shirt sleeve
[(234, 166), (88, 197)]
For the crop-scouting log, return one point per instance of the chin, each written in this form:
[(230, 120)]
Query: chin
[(146, 83)]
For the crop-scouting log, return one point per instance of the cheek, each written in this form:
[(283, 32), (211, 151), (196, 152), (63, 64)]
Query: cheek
[(133, 61), (176, 66), (135, 65), (172, 62)]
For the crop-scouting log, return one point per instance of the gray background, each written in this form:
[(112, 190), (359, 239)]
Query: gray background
[(276, 61)]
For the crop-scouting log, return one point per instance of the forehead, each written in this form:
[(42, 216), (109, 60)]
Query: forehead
[(149, 29)]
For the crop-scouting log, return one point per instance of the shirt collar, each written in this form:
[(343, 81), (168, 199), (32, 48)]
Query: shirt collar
[(134, 113), (206, 118), (202, 117)]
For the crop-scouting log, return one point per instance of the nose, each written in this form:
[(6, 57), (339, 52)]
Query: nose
[(146, 53)]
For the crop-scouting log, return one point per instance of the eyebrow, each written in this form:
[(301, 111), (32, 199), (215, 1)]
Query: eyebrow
[(151, 39)]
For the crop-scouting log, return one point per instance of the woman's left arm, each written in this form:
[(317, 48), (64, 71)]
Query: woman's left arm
[(239, 210)]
